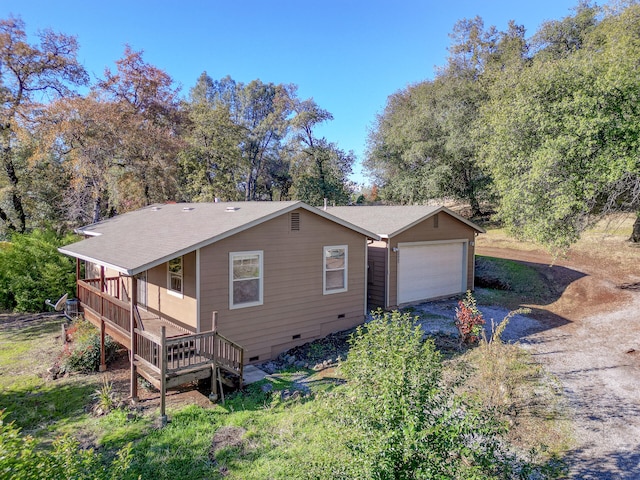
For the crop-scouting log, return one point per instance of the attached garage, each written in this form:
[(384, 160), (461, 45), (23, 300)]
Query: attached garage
[(425, 252), (431, 270)]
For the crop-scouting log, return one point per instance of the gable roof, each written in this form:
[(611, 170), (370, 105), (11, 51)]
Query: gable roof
[(388, 221), (137, 241)]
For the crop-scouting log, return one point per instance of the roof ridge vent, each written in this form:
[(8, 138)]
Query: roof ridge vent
[(231, 209)]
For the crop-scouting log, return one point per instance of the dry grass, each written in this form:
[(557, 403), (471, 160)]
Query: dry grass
[(506, 379), (606, 243)]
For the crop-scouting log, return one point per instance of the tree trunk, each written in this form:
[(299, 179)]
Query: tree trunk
[(635, 235), (15, 197)]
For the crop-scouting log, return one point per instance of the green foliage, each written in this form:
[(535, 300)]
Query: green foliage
[(82, 354), (21, 458), (560, 131), (399, 418), (32, 270)]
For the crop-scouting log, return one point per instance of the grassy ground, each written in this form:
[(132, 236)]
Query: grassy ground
[(270, 437), (38, 406)]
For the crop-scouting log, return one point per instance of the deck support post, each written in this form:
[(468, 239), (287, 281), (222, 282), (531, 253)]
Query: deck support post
[(133, 349), (103, 363), (77, 277), (214, 383), (163, 375)]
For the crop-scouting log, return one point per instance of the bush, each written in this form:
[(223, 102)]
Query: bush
[(21, 458), (398, 416), (82, 353), (469, 320), (32, 270)]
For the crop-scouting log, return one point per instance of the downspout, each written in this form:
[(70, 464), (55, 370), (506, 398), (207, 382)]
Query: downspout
[(387, 274), (366, 276)]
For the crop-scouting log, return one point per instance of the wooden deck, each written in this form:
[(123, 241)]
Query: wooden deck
[(164, 353)]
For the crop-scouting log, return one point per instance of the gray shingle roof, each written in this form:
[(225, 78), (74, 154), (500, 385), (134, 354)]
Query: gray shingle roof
[(388, 221), (139, 240)]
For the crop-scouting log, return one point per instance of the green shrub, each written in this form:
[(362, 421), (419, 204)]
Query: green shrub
[(82, 354), (32, 270), (21, 458), (398, 418)]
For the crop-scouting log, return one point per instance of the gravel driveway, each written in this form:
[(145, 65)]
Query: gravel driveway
[(590, 340)]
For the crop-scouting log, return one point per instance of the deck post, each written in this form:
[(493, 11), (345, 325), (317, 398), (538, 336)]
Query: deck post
[(103, 363), (163, 375), (77, 277), (132, 350)]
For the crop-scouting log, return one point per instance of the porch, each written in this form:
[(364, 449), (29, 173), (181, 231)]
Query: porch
[(165, 354)]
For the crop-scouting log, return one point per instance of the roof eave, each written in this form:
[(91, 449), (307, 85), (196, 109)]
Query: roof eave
[(477, 228)]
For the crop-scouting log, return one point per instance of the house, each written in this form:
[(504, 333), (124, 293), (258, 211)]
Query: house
[(424, 252), (238, 282)]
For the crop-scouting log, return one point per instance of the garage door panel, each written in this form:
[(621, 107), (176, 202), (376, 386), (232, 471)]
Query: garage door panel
[(430, 270)]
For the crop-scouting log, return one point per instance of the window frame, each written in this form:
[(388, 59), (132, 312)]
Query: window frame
[(260, 301), (345, 269), (170, 275)]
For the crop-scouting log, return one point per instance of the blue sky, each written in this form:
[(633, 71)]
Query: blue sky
[(349, 55)]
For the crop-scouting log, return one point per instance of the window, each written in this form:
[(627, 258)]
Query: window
[(335, 269), (246, 278), (175, 276)]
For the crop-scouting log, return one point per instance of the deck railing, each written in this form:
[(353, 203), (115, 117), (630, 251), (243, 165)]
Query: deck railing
[(112, 285), (188, 351), (104, 304)]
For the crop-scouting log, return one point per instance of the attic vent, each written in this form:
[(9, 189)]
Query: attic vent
[(231, 209), (435, 221), (295, 222)]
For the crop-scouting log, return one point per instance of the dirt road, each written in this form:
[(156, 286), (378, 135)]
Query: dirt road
[(589, 337)]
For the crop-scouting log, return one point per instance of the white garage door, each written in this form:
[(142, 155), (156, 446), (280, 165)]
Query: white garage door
[(430, 270)]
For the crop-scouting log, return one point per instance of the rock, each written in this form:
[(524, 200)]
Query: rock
[(267, 387), (295, 394), (290, 359), (318, 366), (299, 364)]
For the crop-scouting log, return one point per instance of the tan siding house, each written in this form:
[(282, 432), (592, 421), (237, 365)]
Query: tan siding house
[(424, 253), (266, 275)]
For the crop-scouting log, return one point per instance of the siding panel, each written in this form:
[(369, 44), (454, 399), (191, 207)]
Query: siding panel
[(293, 300)]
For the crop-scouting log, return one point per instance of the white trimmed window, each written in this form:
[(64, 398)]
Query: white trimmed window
[(175, 276), (246, 278), (335, 269)]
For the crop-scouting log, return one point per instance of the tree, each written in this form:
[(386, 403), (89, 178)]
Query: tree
[(320, 169), (28, 73), (211, 162), (151, 123), (560, 141), (119, 143), (423, 146)]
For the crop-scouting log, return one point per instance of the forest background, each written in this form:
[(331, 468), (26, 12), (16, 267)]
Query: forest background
[(540, 131)]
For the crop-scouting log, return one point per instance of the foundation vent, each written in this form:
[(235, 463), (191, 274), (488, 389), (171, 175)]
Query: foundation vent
[(295, 337), (254, 359)]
